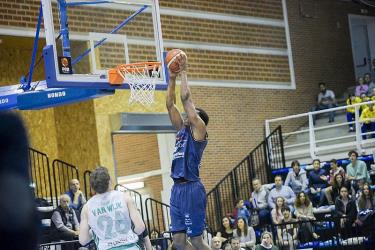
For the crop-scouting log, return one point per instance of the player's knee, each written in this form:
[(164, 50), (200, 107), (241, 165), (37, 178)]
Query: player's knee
[(179, 241), (197, 241)]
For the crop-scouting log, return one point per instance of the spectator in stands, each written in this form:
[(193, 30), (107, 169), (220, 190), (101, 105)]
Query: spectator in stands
[(361, 88), (64, 221), (227, 246), (366, 206), (345, 208), (19, 227), (241, 210), (245, 233), (236, 244), (266, 242), (156, 242), (350, 111), (326, 100), (287, 233), (364, 98), (304, 212), (332, 192), (317, 183), (283, 191), (226, 229), (77, 199), (259, 203), (297, 178), (356, 171), (369, 83), (368, 120), (276, 213), (335, 169), (216, 243)]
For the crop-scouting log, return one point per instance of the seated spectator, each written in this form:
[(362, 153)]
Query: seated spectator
[(283, 191), (326, 100), (317, 184), (241, 211), (366, 206), (64, 221), (350, 111), (156, 241), (287, 232), (356, 171), (332, 192), (368, 120), (226, 229), (235, 244), (304, 212), (345, 208), (227, 246), (77, 199), (297, 178), (216, 243), (361, 88), (370, 84), (276, 213), (266, 242), (245, 233), (335, 169), (259, 203)]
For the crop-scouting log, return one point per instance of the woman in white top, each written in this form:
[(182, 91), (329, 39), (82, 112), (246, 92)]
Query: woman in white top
[(245, 233), (304, 212)]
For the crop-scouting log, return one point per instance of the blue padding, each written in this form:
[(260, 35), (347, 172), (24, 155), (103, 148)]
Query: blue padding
[(284, 171), (55, 97), (8, 97)]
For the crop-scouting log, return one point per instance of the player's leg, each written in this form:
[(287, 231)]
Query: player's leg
[(177, 218), (195, 214)]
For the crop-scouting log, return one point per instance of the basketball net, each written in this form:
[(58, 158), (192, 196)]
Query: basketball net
[(142, 78)]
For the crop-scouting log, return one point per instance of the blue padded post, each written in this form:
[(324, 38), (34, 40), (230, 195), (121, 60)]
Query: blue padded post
[(26, 85), (64, 30)]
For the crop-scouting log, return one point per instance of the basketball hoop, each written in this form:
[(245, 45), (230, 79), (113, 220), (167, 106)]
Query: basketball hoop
[(141, 78)]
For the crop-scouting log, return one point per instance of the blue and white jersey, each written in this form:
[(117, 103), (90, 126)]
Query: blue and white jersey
[(187, 155)]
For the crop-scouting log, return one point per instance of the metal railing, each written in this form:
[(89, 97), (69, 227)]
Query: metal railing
[(71, 245), (137, 197), (355, 139), (157, 215), (40, 176), (63, 172), (86, 183), (237, 183), (332, 235)]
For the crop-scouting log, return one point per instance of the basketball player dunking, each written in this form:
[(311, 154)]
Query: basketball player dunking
[(188, 197), (110, 215)]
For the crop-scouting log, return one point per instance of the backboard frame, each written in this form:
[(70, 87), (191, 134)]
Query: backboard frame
[(96, 80)]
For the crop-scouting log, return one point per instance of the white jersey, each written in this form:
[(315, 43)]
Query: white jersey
[(108, 218)]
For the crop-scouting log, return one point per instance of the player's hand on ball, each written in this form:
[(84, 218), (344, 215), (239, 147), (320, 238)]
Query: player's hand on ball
[(182, 61)]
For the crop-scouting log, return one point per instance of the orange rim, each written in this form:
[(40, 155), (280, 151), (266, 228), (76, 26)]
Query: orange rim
[(134, 67)]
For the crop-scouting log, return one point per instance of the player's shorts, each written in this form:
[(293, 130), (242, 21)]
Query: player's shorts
[(188, 208)]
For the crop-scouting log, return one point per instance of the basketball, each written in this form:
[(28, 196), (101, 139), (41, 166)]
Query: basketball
[(170, 60)]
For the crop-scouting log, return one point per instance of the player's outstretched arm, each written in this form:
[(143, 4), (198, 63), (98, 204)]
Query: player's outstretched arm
[(198, 126), (174, 113), (84, 235), (135, 216)]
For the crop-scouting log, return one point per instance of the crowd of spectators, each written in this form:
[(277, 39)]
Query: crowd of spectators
[(343, 192), (364, 92)]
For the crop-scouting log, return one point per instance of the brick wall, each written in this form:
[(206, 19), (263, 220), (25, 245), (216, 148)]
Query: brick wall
[(321, 52), (135, 154)]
